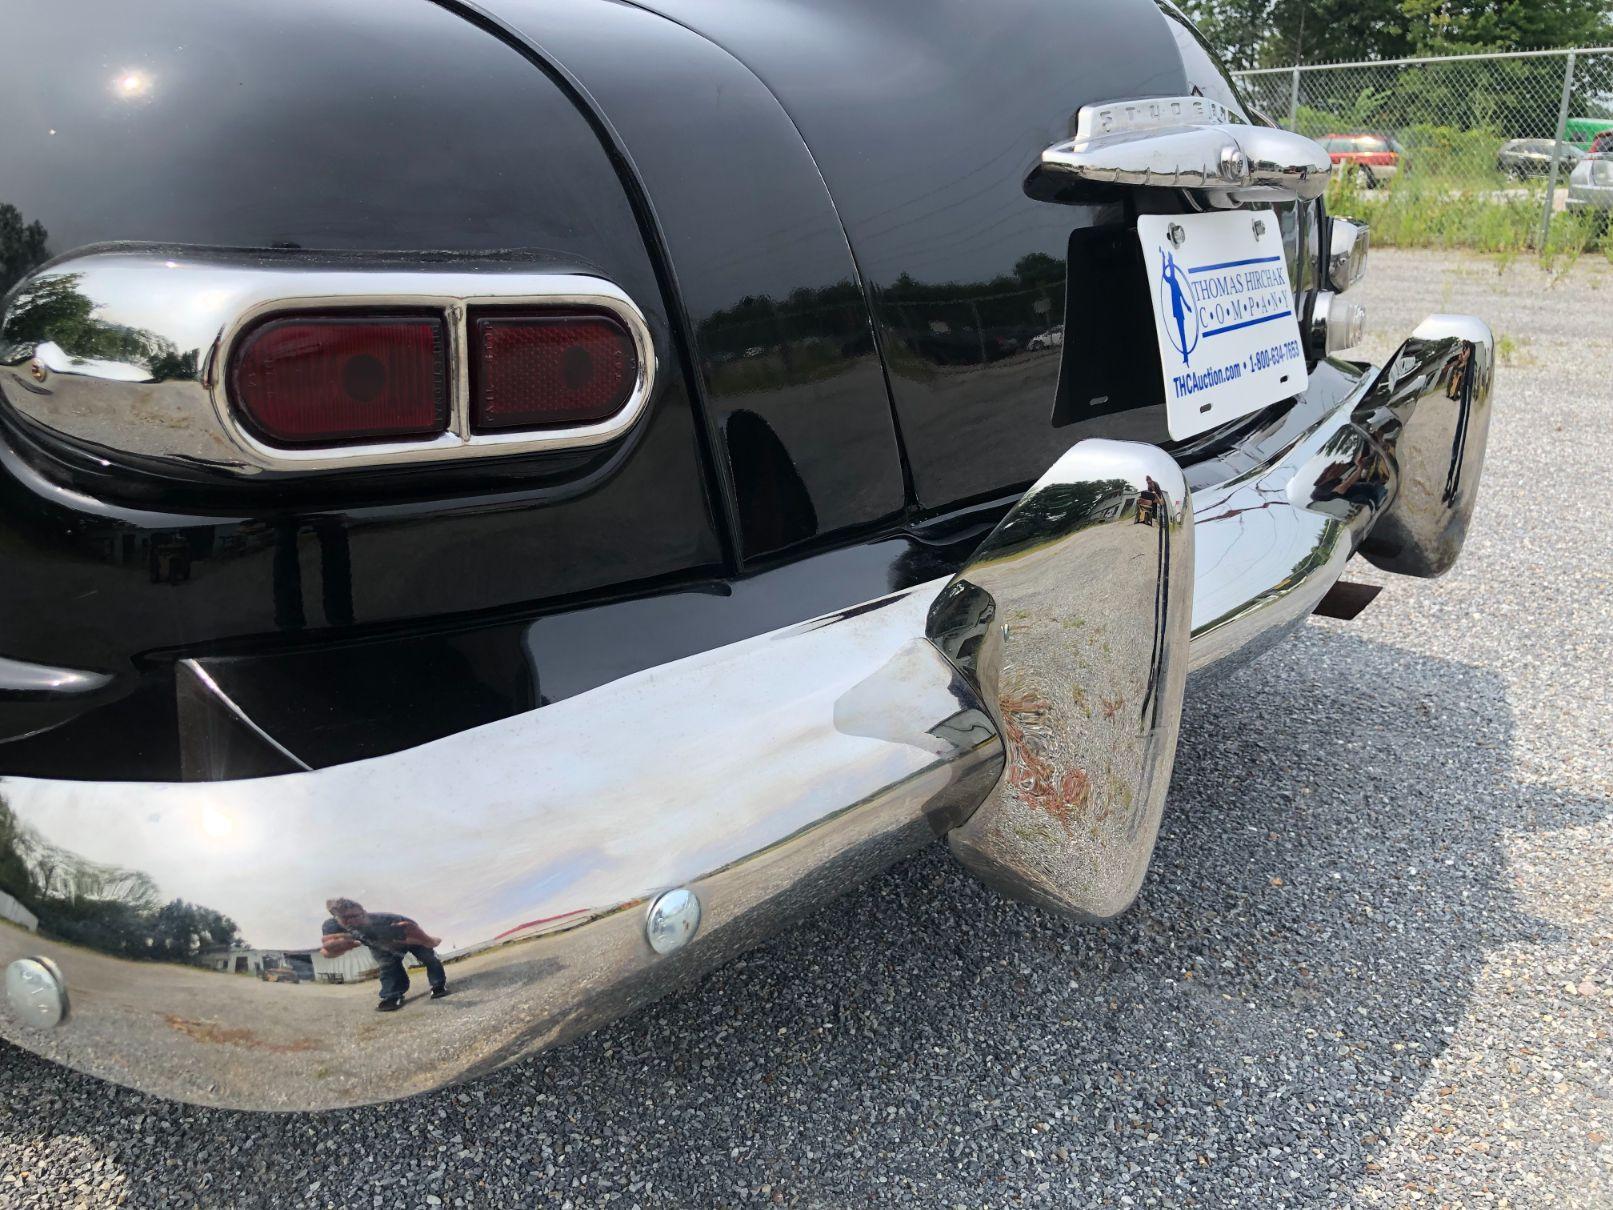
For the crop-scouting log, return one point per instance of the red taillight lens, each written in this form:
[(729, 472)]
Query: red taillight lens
[(320, 380), (538, 371)]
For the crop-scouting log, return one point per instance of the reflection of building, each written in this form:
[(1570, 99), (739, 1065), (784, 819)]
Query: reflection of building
[(310, 966), (13, 911)]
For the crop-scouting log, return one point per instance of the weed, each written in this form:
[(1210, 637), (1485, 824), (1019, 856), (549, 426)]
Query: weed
[(1422, 210)]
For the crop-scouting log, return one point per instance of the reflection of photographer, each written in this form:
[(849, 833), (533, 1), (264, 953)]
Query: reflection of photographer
[(390, 938)]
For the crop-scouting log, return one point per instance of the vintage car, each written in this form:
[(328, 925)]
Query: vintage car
[(576, 474)]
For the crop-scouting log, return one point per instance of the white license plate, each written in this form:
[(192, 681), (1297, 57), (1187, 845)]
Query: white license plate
[(1224, 314)]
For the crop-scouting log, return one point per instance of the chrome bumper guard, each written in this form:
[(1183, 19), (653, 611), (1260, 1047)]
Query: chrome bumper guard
[(1028, 709)]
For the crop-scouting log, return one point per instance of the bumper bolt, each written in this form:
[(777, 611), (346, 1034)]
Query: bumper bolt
[(36, 992), (672, 921)]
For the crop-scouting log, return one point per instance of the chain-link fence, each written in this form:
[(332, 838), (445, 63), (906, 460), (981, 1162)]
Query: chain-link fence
[(1475, 150)]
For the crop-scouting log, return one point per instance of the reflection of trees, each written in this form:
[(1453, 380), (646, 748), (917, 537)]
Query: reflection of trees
[(1000, 302), (810, 328), (105, 907), (1053, 509), (22, 246), (833, 314), (54, 309)]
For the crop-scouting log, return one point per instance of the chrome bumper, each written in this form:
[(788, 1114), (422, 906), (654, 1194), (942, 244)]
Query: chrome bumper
[(1027, 708)]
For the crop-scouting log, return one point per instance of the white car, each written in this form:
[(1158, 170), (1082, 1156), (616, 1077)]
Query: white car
[(1053, 338), (1590, 187)]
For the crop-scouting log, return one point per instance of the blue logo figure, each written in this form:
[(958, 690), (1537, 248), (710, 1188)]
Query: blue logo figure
[(1177, 304)]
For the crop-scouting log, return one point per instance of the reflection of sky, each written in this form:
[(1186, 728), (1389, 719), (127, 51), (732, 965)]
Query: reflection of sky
[(609, 796)]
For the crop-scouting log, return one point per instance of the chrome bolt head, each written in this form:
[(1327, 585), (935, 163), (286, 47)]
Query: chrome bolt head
[(674, 917), (36, 992), (1176, 235)]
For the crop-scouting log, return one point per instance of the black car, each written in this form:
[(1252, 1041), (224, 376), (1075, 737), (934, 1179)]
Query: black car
[(595, 478), (1523, 158)]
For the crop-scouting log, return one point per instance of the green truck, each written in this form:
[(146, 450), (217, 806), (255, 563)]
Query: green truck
[(1580, 131)]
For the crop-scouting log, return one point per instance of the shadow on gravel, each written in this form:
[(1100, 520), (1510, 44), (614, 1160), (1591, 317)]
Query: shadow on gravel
[(1332, 874)]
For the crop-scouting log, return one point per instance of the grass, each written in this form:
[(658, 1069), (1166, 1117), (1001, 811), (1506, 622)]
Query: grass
[(1422, 211)]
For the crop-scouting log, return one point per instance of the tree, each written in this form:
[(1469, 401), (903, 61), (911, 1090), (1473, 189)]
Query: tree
[(180, 930), (1276, 33), (1446, 27), (1336, 31), (22, 246)]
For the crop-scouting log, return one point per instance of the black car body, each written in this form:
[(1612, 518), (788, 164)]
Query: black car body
[(570, 694)]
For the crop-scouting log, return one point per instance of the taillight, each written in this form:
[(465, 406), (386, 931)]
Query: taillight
[(541, 371), (323, 380)]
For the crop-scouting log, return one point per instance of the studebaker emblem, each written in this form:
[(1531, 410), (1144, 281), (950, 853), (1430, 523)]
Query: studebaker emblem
[(1190, 143)]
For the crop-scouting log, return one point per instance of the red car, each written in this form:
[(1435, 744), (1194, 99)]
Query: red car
[(1602, 144), (1374, 157)]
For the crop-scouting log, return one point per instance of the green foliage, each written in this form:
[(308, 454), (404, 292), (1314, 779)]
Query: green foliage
[(1276, 33), (1452, 26), (1423, 211), (1448, 154), (1267, 33)]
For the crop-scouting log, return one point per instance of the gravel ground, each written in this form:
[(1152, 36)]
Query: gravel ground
[(1373, 963)]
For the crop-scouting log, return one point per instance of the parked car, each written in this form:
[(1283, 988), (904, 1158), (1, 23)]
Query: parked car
[(1602, 144), (1590, 187), (1522, 158), (1053, 338), (509, 607), (1372, 157)]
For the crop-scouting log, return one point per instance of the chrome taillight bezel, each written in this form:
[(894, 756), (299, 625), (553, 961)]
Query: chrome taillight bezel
[(181, 315)]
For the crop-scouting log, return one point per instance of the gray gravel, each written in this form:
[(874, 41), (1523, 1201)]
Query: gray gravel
[(1373, 963)]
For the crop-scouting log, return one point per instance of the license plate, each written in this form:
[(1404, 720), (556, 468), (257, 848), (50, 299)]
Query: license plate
[(1224, 315)]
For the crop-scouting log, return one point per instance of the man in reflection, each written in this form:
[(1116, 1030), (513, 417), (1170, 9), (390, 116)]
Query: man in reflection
[(391, 938)]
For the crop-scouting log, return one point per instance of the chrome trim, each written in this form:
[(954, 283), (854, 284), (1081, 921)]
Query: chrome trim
[(172, 320), (1073, 616), (1431, 410), (763, 777), (18, 678), (1348, 245), (1336, 324), (1271, 541), (1188, 143)]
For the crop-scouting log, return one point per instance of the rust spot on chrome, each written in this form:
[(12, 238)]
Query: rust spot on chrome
[(1031, 773)]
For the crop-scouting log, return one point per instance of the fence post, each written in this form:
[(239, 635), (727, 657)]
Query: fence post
[(1557, 150), (1293, 102)]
